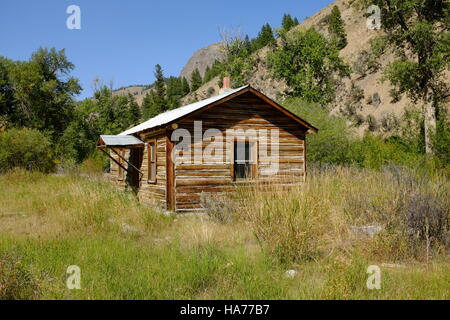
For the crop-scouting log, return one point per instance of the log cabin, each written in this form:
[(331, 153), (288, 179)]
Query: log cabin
[(238, 136)]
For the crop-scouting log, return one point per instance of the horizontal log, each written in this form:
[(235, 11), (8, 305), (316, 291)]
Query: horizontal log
[(205, 182)]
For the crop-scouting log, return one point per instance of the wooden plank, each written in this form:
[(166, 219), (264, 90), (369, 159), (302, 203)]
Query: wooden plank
[(170, 173)]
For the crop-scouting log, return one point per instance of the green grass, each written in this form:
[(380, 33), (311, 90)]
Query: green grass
[(49, 222)]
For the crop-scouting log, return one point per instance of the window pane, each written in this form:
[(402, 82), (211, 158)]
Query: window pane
[(152, 152), (242, 160), (153, 171)]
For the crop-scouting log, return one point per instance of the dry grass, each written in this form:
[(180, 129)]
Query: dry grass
[(316, 219), (128, 251)]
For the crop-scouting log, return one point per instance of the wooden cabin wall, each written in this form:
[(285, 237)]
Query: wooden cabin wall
[(149, 192), (113, 175), (244, 112)]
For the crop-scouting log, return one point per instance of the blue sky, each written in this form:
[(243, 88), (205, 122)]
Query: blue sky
[(121, 41)]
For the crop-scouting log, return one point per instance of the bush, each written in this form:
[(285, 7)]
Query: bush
[(218, 207), (16, 281), (289, 225), (333, 141), (95, 164), (25, 148)]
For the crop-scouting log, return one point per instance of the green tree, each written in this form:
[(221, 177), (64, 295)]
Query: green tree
[(336, 28), (25, 148), (207, 76), (287, 22), (307, 62), (174, 92), (149, 108), (159, 98), (39, 93), (196, 80), (418, 32), (6, 90), (185, 86), (264, 38)]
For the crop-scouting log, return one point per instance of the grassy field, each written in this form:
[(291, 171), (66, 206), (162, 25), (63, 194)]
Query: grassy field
[(127, 251)]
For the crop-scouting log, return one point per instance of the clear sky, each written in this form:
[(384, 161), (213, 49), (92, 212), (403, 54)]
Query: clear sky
[(121, 41)]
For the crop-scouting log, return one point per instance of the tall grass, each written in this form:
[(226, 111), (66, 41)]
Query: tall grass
[(316, 219), (128, 251)]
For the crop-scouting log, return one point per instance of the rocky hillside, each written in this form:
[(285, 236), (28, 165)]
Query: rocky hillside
[(202, 59), (363, 97), (138, 92)]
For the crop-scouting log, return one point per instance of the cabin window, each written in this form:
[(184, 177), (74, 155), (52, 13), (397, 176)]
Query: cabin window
[(244, 154), (152, 161)]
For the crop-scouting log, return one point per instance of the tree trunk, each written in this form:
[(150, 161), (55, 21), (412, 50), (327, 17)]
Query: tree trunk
[(429, 124)]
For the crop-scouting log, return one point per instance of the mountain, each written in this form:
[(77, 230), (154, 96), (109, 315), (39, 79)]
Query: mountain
[(202, 59), (361, 97)]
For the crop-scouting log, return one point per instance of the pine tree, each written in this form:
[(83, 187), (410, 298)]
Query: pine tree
[(265, 37), (247, 45), (149, 108), (134, 110), (196, 80), (174, 92), (160, 89), (185, 88), (287, 22), (336, 28), (207, 76)]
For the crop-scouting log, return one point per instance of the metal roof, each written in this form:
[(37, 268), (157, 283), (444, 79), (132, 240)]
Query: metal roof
[(119, 141), (169, 116)]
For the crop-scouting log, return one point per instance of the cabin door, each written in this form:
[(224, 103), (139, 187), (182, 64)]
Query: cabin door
[(136, 156)]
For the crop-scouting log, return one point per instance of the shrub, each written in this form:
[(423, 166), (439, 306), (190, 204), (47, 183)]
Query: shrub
[(218, 207), (332, 143), (93, 165), (16, 281), (426, 218), (25, 148), (289, 225)]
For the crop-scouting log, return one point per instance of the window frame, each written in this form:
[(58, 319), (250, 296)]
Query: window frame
[(152, 161), (253, 160)]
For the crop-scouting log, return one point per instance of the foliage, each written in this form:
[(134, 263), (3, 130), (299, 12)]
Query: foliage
[(265, 38), (288, 22), (335, 143), (238, 63), (307, 62), (106, 114), (16, 280), (25, 148), (196, 80), (419, 33), (441, 140), (332, 143), (39, 93), (185, 88), (218, 207), (189, 257), (336, 28), (368, 60)]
